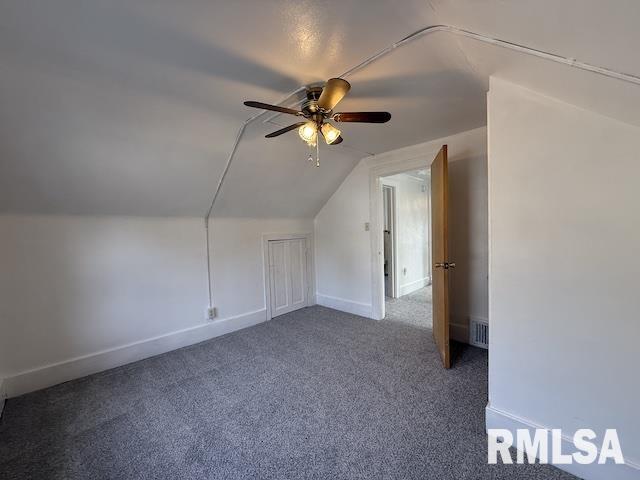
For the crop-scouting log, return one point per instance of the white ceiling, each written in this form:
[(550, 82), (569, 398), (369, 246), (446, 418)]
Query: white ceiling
[(604, 34), (131, 107)]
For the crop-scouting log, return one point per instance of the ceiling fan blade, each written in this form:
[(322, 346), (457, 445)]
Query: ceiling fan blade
[(275, 108), (334, 90), (367, 117), (285, 130)]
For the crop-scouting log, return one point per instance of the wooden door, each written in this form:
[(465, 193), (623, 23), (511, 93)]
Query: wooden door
[(287, 275), (439, 256)]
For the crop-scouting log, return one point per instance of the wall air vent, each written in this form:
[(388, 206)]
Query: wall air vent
[(479, 333)]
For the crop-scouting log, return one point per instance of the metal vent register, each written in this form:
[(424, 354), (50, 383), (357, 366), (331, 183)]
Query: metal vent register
[(479, 333)]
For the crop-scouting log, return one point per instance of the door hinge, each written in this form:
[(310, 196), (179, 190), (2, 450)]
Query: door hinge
[(445, 265)]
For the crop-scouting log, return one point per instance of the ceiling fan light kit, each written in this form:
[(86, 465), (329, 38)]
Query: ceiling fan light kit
[(317, 109), (309, 133), (330, 133)]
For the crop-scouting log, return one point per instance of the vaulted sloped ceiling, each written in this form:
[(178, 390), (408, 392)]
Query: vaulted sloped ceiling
[(131, 107), (603, 34)]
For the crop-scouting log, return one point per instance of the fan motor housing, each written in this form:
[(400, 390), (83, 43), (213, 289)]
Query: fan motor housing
[(313, 93), (310, 105)]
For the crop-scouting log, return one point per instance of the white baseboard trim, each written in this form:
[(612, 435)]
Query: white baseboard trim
[(459, 332), (356, 308), (413, 286), (78, 367), (496, 418)]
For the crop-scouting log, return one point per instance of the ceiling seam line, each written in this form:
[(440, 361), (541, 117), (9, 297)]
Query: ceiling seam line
[(572, 62), (457, 45)]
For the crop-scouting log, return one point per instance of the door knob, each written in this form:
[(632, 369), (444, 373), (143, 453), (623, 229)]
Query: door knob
[(445, 265)]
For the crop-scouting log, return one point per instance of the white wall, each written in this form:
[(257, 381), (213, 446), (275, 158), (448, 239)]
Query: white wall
[(237, 266), (82, 294), (565, 236), (412, 216), (468, 233), (343, 247), (72, 286)]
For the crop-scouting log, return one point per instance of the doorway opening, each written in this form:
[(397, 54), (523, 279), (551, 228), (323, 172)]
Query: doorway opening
[(389, 212), (406, 216)]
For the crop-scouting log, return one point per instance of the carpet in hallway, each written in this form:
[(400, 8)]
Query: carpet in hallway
[(414, 308)]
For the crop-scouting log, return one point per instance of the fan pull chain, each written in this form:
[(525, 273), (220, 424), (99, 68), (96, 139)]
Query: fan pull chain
[(317, 153)]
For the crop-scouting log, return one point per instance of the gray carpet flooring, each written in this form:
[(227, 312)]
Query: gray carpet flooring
[(312, 394), (414, 308)]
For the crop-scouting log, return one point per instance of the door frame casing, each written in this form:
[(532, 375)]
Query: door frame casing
[(403, 162), (394, 237), (268, 237)]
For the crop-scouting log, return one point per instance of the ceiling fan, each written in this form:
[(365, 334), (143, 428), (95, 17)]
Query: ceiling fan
[(317, 109)]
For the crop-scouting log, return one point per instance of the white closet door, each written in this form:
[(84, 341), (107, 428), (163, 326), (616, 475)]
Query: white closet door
[(298, 272), (288, 275), (279, 278)]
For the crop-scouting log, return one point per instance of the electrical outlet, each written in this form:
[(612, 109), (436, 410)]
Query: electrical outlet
[(211, 313), (366, 226)]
